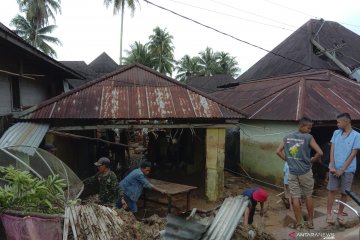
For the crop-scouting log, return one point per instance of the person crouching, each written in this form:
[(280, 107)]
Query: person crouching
[(255, 195)]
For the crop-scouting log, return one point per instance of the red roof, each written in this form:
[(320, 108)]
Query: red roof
[(319, 95), (133, 92)]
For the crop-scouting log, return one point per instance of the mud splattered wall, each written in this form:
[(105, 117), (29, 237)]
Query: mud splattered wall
[(258, 142)]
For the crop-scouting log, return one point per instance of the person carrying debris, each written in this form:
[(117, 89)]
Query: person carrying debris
[(132, 186), (295, 150), (345, 144), (108, 189), (255, 195)]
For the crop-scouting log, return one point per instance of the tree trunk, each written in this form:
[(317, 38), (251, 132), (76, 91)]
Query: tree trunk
[(121, 29)]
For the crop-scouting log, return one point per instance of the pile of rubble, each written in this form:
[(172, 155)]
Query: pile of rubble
[(251, 233), (93, 221)]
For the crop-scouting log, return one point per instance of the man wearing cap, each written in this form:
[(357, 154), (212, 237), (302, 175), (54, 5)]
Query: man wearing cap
[(132, 186), (108, 184), (254, 195)]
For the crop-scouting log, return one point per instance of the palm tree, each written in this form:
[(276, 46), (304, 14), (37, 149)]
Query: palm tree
[(138, 53), (36, 23), (37, 37), (208, 62), (119, 5), (40, 11), (187, 67), (162, 50), (227, 64)]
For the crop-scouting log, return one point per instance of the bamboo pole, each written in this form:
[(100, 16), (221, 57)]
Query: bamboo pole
[(66, 223), (70, 135)]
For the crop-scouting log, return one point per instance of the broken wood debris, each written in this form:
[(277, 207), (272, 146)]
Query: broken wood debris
[(96, 222)]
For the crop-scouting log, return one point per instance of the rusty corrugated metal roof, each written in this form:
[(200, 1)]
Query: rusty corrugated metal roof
[(133, 92), (210, 84), (319, 95)]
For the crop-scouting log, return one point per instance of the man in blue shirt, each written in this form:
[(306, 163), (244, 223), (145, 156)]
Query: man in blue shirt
[(345, 144), (132, 186)]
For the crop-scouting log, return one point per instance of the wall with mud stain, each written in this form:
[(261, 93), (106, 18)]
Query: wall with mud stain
[(259, 140)]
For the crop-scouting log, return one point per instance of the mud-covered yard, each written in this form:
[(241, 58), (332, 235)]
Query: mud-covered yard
[(277, 217), (149, 221)]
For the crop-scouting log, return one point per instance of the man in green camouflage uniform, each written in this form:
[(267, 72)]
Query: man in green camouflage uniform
[(108, 183)]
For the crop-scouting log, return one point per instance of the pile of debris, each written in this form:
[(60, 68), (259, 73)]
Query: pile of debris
[(251, 233), (93, 221)]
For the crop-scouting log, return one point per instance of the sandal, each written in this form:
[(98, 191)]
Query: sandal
[(342, 214), (298, 226), (310, 225), (330, 221)]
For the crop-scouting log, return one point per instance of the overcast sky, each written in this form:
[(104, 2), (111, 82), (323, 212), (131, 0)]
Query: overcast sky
[(86, 28)]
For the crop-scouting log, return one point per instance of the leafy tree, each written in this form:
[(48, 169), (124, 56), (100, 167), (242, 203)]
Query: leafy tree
[(38, 38), (119, 5), (39, 11), (227, 64), (34, 28), (138, 53), (162, 50), (187, 67), (209, 62)]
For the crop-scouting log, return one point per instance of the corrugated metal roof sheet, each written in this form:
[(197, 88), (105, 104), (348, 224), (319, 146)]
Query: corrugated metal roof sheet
[(209, 84), (319, 95), (298, 47), (226, 220), (24, 134), (134, 92), (179, 228)]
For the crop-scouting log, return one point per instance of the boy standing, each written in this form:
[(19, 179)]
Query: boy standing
[(295, 150), (345, 143)]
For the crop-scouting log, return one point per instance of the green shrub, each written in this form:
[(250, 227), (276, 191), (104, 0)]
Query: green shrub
[(27, 193)]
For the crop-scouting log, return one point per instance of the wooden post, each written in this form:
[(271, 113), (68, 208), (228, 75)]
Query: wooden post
[(215, 155)]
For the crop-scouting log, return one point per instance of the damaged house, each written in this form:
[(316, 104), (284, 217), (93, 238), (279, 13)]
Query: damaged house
[(27, 76), (137, 97), (312, 73)]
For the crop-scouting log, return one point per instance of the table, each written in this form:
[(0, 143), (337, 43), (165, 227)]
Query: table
[(172, 189)]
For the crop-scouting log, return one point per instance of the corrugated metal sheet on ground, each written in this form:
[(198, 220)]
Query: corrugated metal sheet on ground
[(226, 220), (180, 228), (24, 134)]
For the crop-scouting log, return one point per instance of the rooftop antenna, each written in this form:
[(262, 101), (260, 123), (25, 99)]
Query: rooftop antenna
[(331, 54)]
